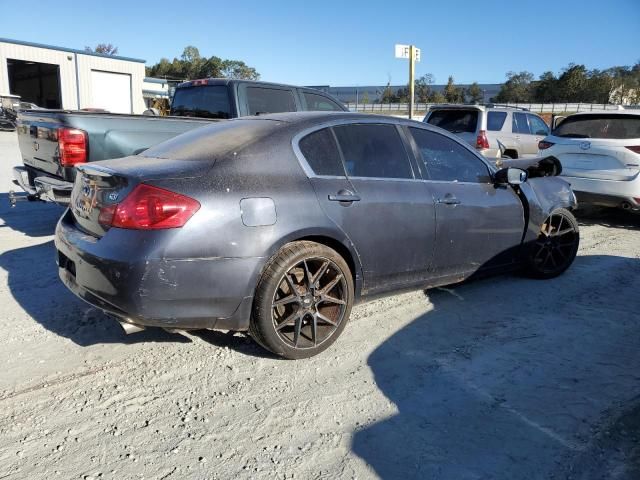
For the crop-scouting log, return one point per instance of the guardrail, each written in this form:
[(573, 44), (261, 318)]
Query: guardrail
[(534, 107)]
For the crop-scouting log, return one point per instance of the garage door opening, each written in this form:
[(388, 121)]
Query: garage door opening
[(35, 82)]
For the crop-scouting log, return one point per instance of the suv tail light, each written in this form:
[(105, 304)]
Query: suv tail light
[(149, 208), (634, 148), (72, 145), (482, 141), (542, 145)]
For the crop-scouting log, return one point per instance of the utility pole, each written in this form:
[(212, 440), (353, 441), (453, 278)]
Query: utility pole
[(413, 54)]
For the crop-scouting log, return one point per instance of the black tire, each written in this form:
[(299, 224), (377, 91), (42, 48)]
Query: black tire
[(303, 300), (556, 247)]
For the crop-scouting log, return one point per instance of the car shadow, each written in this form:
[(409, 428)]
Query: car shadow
[(239, 341), (608, 217), (33, 281), (507, 377), (34, 219)]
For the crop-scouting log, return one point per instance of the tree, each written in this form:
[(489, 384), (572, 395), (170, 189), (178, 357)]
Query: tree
[(104, 48), (517, 88), (546, 88), (365, 98), (572, 84), (475, 93), (192, 65), (437, 97), (423, 88), (453, 94)]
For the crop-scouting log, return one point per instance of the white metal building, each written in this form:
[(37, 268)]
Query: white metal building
[(55, 77)]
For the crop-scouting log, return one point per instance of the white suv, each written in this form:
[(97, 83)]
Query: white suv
[(600, 156), (484, 125)]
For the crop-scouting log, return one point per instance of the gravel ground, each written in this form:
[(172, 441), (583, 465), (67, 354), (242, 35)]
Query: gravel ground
[(505, 377)]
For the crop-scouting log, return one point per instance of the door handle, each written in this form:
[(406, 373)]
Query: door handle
[(344, 196), (448, 200)]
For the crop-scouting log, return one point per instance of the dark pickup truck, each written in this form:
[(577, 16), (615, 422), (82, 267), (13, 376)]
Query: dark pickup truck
[(52, 142)]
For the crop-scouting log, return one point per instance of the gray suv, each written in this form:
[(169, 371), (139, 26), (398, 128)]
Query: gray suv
[(484, 125)]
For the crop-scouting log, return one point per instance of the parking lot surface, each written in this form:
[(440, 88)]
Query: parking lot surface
[(504, 377)]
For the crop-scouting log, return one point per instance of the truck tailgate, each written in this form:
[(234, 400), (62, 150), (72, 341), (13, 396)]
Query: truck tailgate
[(38, 142)]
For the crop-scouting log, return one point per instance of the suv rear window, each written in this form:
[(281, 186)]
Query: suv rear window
[(210, 101), (455, 121), (269, 100), (600, 126), (495, 121)]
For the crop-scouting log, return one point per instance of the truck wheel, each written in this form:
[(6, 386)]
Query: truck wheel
[(556, 246), (303, 300)]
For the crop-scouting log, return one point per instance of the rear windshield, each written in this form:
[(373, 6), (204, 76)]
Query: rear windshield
[(208, 101), (455, 121), (600, 126)]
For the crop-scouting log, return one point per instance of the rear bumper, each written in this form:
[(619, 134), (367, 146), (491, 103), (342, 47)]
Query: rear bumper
[(139, 288), (45, 188), (606, 193)]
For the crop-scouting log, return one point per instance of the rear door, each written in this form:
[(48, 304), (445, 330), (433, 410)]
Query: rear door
[(477, 225), (370, 192), (539, 130), (598, 146), (525, 141)]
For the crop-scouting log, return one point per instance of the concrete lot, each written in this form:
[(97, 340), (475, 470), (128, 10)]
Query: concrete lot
[(501, 378)]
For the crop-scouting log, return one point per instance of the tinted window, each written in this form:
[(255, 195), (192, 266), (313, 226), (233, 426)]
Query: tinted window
[(600, 126), (269, 100), (320, 150), (455, 121), (446, 159), (320, 103), (209, 101), (495, 120), (519, 123), (373, 151), (538, 127)]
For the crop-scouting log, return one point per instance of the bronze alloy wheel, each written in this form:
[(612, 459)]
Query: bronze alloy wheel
[(310, 303), (557, 244)]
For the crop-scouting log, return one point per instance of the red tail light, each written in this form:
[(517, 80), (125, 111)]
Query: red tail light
[(542, 145), (150, 208), (482, 141), (72, 145), (634, 148)]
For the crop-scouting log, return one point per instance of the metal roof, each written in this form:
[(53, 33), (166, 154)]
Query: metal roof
[(70, 50)]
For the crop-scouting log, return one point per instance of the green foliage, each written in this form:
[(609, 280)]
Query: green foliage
[(453, 94), (192, 65), (475, 93), (517, 88)]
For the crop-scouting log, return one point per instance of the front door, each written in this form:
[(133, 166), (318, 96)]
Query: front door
[(381, 207), (478, 225)]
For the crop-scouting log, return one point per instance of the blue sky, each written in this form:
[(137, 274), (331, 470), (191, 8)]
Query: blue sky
[(344, 43)]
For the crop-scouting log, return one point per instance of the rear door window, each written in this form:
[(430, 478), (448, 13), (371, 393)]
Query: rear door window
[(262, 100), (455, 121), (520, 124), (321, 152), (208, 101), (495, 121), (538, 127), (373, 150), (600, 126), (448, 160), (317, 102)]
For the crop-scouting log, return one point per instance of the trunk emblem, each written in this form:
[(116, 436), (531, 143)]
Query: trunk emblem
[(36, 146), (113, 196), (585, 145)]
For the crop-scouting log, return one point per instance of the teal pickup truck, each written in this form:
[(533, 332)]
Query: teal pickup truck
[(53, 142)]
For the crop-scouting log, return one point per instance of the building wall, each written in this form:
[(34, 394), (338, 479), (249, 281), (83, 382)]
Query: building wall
[(86, 63), (65, 61), (75, 80)]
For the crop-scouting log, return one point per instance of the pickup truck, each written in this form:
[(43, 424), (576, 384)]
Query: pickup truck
[(53, 142)]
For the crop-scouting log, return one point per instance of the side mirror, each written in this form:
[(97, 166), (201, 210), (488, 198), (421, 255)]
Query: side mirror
[(510, 176)]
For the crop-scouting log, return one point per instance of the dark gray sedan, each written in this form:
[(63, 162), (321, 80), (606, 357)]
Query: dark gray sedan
[(278, 224)]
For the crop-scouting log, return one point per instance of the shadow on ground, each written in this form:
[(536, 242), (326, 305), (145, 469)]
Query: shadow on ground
[(608, 217), (509, 377)]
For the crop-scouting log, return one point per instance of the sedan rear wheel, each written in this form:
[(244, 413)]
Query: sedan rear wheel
[(556, 246), (303, 300)]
